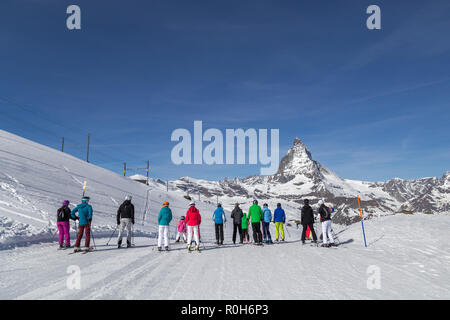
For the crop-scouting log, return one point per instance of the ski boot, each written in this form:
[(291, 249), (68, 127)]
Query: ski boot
[(159, 249), (67, 246), (197, 248), (61, 247), (189, 247), (333, 244), (303, 242), (167, 248), (77, 249), (119, 244), (128, 244)]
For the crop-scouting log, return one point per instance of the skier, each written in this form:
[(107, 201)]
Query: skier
[(63, 224), (325, 218), (219, 218), (193, 220), (255, 216), (307, 219), (279, 217), (125, 218), (244, 225), (164, 218), (85, 211), (266, 223), (237, 215), (181, 230)]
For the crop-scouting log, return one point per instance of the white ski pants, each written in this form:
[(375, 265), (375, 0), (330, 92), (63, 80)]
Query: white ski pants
[(163, 233), (179, 236), (326, 232), (193, 229), (125, 223)]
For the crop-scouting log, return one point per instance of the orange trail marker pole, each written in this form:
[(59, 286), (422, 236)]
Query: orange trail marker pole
[(362, 223)]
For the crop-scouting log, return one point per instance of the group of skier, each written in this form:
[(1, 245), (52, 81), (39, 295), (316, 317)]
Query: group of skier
[(188, 226)]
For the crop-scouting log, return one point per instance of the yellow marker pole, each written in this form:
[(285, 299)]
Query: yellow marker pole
[(84, 187)]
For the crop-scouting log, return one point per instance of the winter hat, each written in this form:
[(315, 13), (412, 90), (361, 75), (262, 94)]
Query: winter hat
[(278, 204), (65, 203), (219, 205), (236, 204), (255, 201), (183, 217), (85, 199), (128, 198), (192, 203), (306, 201), (165, 204), (265, 205), (320, 202)]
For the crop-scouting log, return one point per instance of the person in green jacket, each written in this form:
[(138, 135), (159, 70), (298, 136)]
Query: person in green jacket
[(255, 215), (244, 226), (164, 218)]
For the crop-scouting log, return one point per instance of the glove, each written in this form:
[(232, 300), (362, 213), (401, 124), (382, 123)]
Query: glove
[(90, 220), (77, 218), (132, 222)]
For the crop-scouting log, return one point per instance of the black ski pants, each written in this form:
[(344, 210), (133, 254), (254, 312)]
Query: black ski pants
[(311, 227), (219, 232), (257, 235), (237, 228)]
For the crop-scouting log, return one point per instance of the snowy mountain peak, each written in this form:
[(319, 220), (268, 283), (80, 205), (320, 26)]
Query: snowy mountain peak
[(297, 161)]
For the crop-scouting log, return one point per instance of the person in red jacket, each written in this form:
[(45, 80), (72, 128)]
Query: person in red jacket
[(193, 220)]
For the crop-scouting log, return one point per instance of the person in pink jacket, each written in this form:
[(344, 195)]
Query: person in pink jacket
[(181, 230), (193, 220)]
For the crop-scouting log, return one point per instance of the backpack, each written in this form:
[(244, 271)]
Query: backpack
[(61, 213)]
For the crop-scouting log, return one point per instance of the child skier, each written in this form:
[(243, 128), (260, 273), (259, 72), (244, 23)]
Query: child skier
[(219, 218), (279, 217), (193, 221), (85, 211), (181, 230), (244, 225), (266, 223), (325, 218), (125, 219), (164, 218), (63, 224)]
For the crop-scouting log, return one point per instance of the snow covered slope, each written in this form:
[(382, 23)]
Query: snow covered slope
[(34, 180), (300, 177), (410, 265)]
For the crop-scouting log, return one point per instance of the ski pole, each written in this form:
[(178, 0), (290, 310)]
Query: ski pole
[(112, 234), (287, 231), (362, 222), (92, 234)]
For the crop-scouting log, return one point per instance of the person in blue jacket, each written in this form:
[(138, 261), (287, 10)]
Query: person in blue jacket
[(219, 219), (85, 211), (164, 218), (266, 223), (279, 217)]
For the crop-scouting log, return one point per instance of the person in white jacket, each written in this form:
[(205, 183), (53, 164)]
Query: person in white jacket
[(325, 218)]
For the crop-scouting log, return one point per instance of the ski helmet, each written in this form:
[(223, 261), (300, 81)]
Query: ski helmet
[(255, 201), (128, 198), (65, 202), (85, 199), (192, 203), (306, 201), (165, 204), (219, 205), (320, 202), (265, 205), (183, 217), (278, 204), (236, 204)]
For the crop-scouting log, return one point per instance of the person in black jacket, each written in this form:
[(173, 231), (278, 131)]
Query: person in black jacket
[(237, 215), (307, 219), (125, 218), (63, 223)]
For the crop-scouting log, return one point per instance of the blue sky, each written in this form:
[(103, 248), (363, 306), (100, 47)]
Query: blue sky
[(370, 105)]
